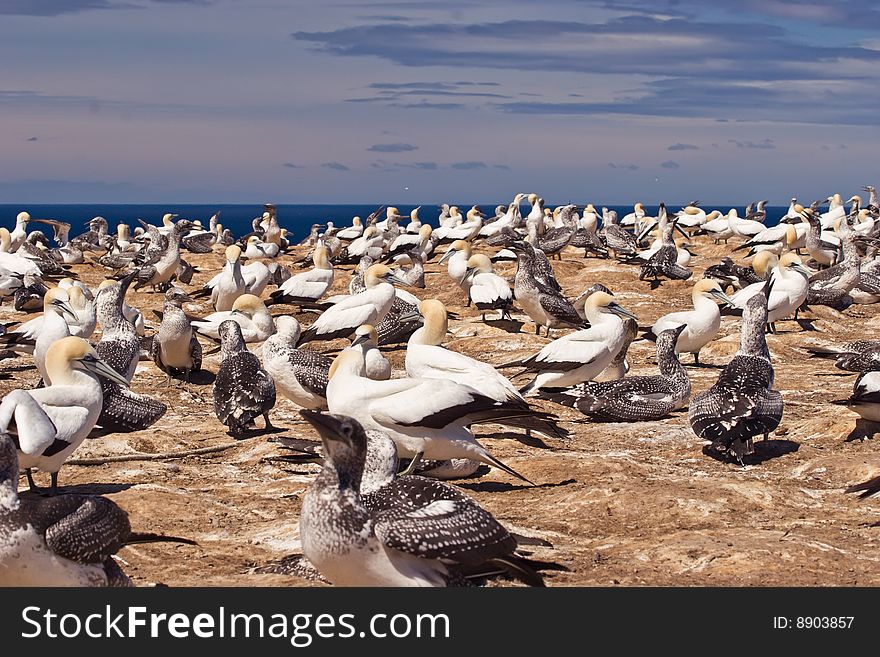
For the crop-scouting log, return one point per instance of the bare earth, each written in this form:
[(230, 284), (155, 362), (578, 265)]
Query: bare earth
[(622, 504)]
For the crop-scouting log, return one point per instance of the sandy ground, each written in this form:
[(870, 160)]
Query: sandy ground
[(622, 504)]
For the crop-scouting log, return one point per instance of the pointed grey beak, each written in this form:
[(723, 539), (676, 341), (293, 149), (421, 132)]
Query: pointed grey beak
[(65, 308), (620, 310), (359, 339), (394, 278), (718, 294), (410, 316), (446, 256), (801, 269), (99, 368), (469, 272)]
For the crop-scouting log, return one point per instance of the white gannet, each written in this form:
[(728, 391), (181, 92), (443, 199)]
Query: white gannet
[(790, 288), (300, 375), (427, 418), (718, 229), (741, 404), (248, 311), (366, 341), (367, 307), (511, 218), (579, 356), (371, 239), (13, 262), (746, 228), (19, 234), (777, 239), (175, 348), (700, 325), (415, 224), (488, 290), (258, 249), (458, 254), (56, 304), (228, 285), (635, 218), (635, 398), (865, 397), (836, 210), (362, 527), (243, 390), (308, 286), (48, 424), (469, 229), (407, 241), (352, 232)]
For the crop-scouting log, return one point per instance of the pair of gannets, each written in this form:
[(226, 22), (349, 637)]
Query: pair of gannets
[(235, 280), (248, 311), (790, 288), (538, 292), (308, 286), (488, 291)]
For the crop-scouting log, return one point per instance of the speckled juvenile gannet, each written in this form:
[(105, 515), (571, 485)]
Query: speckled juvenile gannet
[(248, 311), (539, 294), (488, 290), (409, 531), (665, 261), (635, 398), (242, 390), (367, 307), (175, 348), (60, 541), (728, 272), (856, 356), (310, 285), (300, 375), (48, 424), (741, 404), (424, 417), (164, 267), (582, 355), (700, 324)]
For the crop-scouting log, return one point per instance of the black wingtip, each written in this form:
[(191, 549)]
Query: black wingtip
[(138, 538)]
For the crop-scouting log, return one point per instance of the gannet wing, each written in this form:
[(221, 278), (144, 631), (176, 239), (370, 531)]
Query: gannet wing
[(27, 423), (432, 403)]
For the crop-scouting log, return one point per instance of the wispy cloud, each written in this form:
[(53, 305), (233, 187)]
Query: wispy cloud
[(682, 147), (32, 139), (59, 7), (398, 147), (291, 165), (670, 164), (764, 144), (628, 167), (335, 166), (469, 166)]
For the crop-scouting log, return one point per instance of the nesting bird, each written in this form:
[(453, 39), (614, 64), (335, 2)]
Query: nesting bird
[(175, 348)]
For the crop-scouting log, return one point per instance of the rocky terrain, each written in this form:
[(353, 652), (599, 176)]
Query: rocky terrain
[(621, 504)]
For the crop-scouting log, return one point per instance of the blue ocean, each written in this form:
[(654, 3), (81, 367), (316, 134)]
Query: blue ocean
[(297, 219)]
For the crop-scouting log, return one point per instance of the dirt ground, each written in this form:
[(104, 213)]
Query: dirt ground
[(621, 504)]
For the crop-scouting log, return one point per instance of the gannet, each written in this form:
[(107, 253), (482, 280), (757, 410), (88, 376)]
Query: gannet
[(664, 262), (243, 390), (48, 424), (19, 234), (585, 237), (488, 290), (248, 311), (427, 418), (408, 531), (778, 239), (818, 245), (469, 229), (53, 328), (579, 356), (367, 307), (865, 397), (692, 216), (634, 218), (308, 286), (718, 229), (746, 228), (741, 404), (790, 287), (12, 262), (856, 356), (351, 233), (175, 348), (836, 210), (538, 292), (167, 226), (618, 240), (366, 341), (554, 240), (229, 284), (299, 374), (414, 275), (60, 541), (371, 239), (258, 249), (700, 325), (160, 272), (458, 254), (635, 398), (415, 224), (121, 410), (510, 219), (408, 241), (619, 365)]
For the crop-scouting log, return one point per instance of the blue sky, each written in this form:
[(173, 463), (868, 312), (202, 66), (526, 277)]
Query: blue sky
[(307, 101)]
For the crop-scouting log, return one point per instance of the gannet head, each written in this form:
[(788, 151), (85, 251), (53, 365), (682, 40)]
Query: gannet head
[(710, 289), (478, 263), (167, 217), (349, 361), (763, 262), (379, 273), (455, 247), (414, 213), (791, 261), (176, 296), (533, 198), (474, 213), (436, 321), (370, 232), (344, 441), (321, 257), (233, 253), (22, 218), (73, 353), (356, 221), (602, 303), (667, 339), (231, 339), (425, 232), (365, 334), (249, 305), (58, 299), (289, 327)]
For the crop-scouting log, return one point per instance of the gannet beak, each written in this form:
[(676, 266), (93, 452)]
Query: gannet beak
[(681, 230), (801, 269), (99, 368), (470, 271), (718, 294), (620, 310), (394, 278), (446, 256), (65, 308), (409, 316), (327, 426)]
